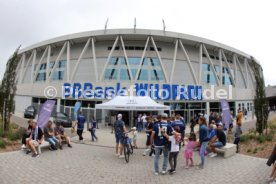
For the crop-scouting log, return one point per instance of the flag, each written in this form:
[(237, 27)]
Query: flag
[(76, 108), (226, 116), (45, 113)]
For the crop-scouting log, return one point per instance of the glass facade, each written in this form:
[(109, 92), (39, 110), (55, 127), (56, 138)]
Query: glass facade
[(150, 69), (208, 76), (58, 73)]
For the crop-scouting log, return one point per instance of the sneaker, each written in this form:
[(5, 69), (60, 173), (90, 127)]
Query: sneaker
[(23, 146), (156, 173), (35, 155), (163, 172), (69, 145), (28, 151), (187, 167), (60, 147), (122, 156), (117, 154), (210, 154), (173, 171), (214, 155), (50, 148)]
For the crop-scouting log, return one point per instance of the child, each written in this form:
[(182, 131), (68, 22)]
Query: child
[(134, 133), (188, 152), (175, 140), (238, 133)]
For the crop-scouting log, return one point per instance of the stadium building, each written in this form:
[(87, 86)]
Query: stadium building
[(92, 66)]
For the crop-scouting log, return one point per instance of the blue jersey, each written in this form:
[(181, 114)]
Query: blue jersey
[(159, 139), (93, 124), (81, 121), (180, 124)]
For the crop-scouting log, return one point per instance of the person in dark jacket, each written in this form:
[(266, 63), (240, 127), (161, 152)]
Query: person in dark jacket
[(26, 134), (81, 121), (203, 140), (34, 140), (271, 161)]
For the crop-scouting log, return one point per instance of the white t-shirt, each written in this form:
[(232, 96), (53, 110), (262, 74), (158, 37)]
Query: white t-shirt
[(144, 119), (174, 144)]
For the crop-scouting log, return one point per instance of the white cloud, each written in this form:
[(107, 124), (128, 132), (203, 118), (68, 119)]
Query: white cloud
[(245, 25)]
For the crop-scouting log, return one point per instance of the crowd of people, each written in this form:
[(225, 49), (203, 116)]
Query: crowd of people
[(166, 136), (34, 136)]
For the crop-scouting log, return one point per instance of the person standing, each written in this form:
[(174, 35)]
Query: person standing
[(81, 121), (148, 131), (239, 117), (181, 126), (93, 129), (203, 140), (175, 140), (144, 120), (160, 143), (120, 130), (238, 133)]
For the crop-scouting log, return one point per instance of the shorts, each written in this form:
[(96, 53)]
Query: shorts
[(218, 144), (237, 140), (119, 138), (34, 143)]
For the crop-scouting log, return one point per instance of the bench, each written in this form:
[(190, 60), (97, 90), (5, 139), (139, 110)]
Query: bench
[(44, 144), (228, 150)]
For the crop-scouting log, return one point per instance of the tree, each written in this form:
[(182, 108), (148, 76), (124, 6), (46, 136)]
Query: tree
[(8, 89), (260, 101)]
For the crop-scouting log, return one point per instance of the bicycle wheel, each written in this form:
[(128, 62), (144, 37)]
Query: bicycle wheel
[(126, 152), (130, 149)]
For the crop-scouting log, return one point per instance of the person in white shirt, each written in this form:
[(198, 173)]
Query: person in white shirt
[(175, 139), (144, 120)]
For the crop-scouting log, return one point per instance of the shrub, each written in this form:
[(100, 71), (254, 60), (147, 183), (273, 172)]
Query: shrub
[(272, 126), (14, 126), (2, 132), (2, 143), (251, 136), (269, 137), (13, 135), (244, 138), (261, 139)]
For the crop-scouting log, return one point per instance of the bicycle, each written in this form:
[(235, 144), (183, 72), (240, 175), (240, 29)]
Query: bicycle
[(128, 148)]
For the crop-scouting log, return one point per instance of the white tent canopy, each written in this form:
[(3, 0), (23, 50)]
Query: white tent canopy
[(132, 103)]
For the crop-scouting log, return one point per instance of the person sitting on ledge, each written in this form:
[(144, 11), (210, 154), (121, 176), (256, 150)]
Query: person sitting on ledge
[(218, 141), (34, 140), (61, 135)]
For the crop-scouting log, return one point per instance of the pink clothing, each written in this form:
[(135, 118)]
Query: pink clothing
[(188, 152)]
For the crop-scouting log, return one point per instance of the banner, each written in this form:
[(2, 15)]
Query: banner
[(76, 108), (226, 116), (45, 113)]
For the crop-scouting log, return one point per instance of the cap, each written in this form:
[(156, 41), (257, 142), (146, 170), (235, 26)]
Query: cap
[(164, 115), (219, 124)]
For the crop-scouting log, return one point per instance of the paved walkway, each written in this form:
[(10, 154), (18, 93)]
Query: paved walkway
[(96, 163)]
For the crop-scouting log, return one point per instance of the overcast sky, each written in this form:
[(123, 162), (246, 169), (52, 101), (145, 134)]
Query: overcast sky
[(247, 25)]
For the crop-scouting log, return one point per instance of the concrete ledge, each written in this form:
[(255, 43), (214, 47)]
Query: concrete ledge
[(228, 150)]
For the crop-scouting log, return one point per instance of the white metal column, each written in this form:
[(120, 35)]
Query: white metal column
[(189, 62), (200, 64), (94, 59), (68, 61), (174, 60), (57, 60)]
